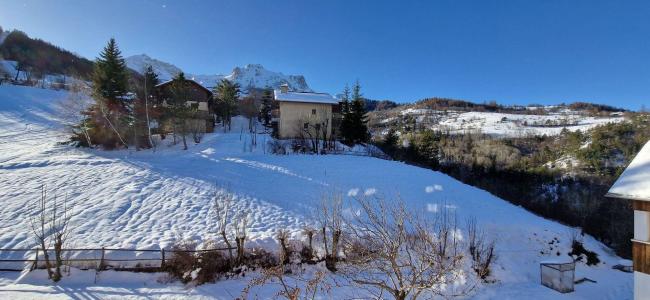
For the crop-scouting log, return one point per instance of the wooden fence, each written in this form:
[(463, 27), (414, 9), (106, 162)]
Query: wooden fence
[(119, 259)]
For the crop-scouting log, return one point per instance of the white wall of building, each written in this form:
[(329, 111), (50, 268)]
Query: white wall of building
[(641, 286), (642, 225)]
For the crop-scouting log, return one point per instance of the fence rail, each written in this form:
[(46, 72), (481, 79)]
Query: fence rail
[(119, 259)]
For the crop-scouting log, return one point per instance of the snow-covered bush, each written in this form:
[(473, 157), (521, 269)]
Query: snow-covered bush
[(182, 261)]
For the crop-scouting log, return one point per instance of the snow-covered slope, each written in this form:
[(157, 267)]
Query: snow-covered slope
[(497, 124), (248, 77), (147, 200)]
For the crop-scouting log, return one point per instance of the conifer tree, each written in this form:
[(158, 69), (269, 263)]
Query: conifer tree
[(110, 76), (109, 118), (227, 94), (178, 109), (346, 131), (267, 107), (357, 117)]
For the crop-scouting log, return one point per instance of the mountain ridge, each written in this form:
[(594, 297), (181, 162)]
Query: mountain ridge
[(250, 76)]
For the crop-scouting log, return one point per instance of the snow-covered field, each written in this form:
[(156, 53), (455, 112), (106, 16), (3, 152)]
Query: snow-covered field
[(504, 124), (148, 200)]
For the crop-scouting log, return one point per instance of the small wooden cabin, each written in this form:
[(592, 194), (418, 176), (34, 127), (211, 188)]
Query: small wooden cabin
[(199, 96), (634, 185), (301, 112)]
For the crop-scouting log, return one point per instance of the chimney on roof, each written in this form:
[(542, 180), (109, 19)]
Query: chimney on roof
[(284, 88)]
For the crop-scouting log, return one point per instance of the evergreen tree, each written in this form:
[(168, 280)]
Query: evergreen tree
[(178, 109), (227, 94), (110, 76), (151, 80), (357, 117), (267, 107), (390, 142), (109, 119), (344, 126)]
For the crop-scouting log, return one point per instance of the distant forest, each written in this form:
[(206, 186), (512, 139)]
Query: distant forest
[(39, 57)]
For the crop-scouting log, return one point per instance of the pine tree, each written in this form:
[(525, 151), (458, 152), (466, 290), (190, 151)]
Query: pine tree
[(227, 94), (178, 109), (267, 107), (110, 76), (344, 127), (357, 117), (109, 118), (390, 142)]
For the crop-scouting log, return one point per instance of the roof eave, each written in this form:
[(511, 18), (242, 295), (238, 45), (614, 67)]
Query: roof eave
[(626, 197)]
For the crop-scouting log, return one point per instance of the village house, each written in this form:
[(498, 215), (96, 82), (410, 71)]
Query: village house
[(300, 114), (634, 185), (199, 97)]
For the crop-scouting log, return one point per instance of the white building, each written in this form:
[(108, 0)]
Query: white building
[(634, 185)]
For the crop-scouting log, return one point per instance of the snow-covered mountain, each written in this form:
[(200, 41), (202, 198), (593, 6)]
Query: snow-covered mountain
[(248, 77), (140, 62)]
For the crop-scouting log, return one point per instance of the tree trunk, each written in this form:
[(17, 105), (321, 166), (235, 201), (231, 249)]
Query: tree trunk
[(225, 239)]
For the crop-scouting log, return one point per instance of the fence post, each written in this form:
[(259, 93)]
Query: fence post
[(101, 261), (162, 262), (35, 264)]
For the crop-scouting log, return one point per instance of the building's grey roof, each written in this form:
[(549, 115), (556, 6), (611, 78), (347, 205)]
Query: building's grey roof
[(305, 97), (634, 183)]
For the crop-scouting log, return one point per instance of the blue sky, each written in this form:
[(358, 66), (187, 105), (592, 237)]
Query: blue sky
[(514, 52)]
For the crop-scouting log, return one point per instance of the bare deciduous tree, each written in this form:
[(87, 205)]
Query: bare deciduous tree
[(51, 230), (309, 232), (77, 101), (287, 290), (221, 205), (40, 229), (241, 230), (397, 253), (331, 223), (283, 238), (480, 249)]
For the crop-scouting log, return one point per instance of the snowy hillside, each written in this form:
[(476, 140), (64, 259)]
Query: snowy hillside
[(249, 76), (148, 200), (493, 123)]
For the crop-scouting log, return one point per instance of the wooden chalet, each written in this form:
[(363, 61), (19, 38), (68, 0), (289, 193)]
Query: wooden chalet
[(634, 185), (199, 96)]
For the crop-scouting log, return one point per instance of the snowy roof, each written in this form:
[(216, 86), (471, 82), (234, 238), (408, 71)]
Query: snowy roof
[(188, 80), (305, 97), (634, 183)]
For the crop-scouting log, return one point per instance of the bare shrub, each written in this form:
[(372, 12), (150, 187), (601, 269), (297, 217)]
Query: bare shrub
[(196, 128), (241, 230), (307, 251), (276, 147), (283, 238), (287, 290), (212, 265), (260, 258), (221, 207), (330, 219), (481, 250), (401, 254), (182, 261), (50, 226)]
